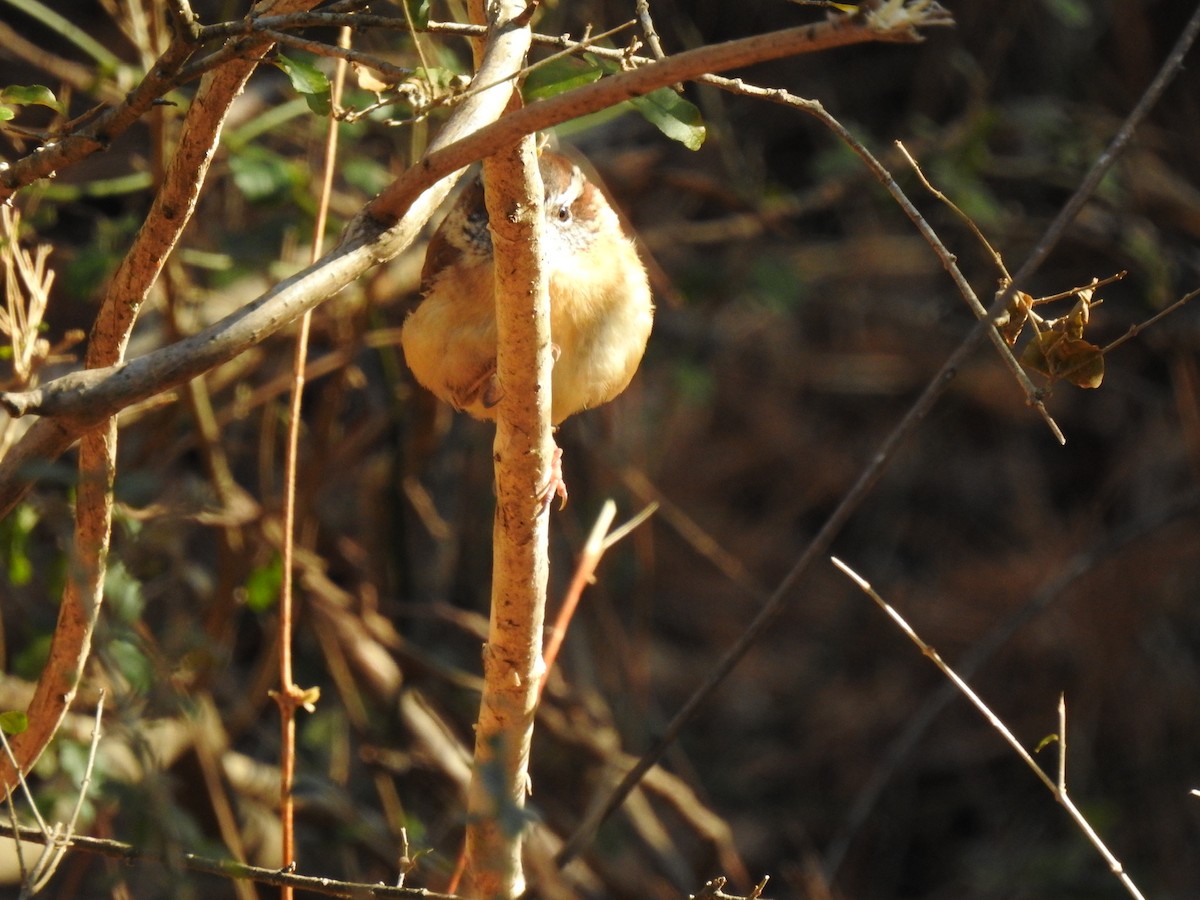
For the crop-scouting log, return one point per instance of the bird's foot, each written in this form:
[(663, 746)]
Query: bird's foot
[(556, 486)]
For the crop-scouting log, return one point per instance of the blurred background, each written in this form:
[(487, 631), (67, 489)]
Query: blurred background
[(799, 316)]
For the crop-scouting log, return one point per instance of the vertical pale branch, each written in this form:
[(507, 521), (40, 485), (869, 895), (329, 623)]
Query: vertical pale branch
[(169, 214), (523, 450)]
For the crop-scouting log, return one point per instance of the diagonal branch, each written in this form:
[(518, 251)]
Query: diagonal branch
[(388, 225)]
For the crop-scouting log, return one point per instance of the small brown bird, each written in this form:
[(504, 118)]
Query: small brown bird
[(600, 305)]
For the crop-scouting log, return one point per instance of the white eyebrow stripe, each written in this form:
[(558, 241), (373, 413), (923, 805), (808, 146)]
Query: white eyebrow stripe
[(571, 191)]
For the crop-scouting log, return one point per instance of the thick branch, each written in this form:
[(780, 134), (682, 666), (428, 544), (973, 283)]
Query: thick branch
[(520, 566)]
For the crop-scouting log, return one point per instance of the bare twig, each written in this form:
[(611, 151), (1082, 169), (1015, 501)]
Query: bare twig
[(55, 840), (649, 32), (1057, 788), (338, 52), (1032, 393), (715, 889), (290, 697), (47, 864), (43, 828), (1138, 327), (224, 868)]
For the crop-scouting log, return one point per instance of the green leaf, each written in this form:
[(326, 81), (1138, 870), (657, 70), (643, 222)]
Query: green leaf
[(131, 661), (1045, 742), (14, 544), (262, 175), (29, 95), (308, 80), (123, 592), (262, 586), (13, 722), (677, 118), (418, 11), (6, 113), (559, 75)]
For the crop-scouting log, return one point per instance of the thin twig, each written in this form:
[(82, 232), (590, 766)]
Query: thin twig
[(983, 650), (290, 696), (587, 42), (1033, 394), (47, 865), (33, 808), (1138, 327), (226, 868), (1059, 788), (649, 32), (1076, 291), (598, 542), (338, 52), (714, 890)]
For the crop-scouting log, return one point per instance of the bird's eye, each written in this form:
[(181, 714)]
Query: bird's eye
[(564, 213)]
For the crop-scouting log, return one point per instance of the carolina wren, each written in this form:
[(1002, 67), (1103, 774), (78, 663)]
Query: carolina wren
[(600, 306)]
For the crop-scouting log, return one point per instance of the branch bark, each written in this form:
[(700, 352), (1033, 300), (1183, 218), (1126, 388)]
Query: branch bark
[(512, 657)]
